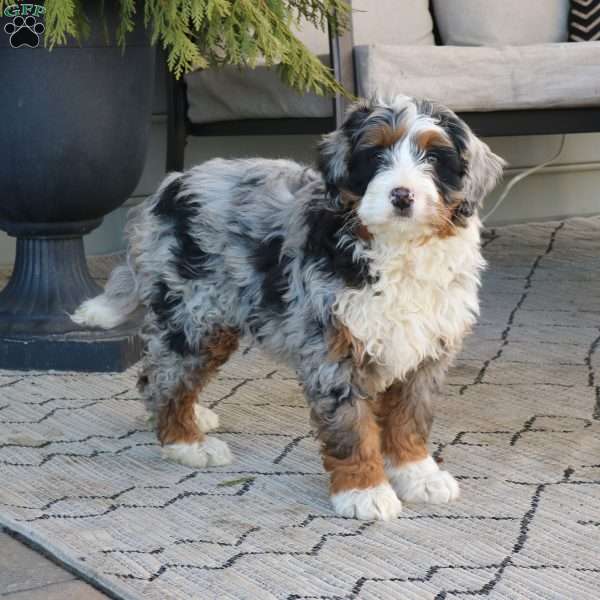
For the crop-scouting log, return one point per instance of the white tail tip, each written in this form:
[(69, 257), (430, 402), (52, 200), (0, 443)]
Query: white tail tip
[(98, 312)]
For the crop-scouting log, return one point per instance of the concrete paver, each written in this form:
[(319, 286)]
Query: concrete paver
[(26, 574)]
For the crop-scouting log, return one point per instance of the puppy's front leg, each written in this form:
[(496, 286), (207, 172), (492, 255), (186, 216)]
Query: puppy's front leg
[(405, 416), (351, 451)]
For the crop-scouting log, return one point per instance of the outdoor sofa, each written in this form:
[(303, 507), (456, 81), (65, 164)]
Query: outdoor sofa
[(506, 67)]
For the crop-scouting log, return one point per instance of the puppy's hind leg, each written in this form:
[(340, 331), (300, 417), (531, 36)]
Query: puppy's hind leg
[(172, 384), (182, 438), (206, 419)]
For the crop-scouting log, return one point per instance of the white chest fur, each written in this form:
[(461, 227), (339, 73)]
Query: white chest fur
[(422, 304)]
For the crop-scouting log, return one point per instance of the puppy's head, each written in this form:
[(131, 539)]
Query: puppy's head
[(408, 165)]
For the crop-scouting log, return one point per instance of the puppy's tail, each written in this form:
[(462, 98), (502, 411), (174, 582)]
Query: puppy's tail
[(111, 308)]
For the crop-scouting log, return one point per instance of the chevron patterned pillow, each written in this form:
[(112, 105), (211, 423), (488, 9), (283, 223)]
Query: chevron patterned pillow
[(584, 21)]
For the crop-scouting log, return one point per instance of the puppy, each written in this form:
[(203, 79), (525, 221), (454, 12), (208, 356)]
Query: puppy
[(362, 275)]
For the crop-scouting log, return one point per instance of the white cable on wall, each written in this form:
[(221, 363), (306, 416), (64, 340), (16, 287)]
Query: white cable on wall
[(511, 184)]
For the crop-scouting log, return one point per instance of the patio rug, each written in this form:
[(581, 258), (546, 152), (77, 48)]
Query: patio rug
[(519, 425)]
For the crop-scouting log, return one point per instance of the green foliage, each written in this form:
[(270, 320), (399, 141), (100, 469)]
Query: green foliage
[(231, 482), (61, 21), (198, 34)]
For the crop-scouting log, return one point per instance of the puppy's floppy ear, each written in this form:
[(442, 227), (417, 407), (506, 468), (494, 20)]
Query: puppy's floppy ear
[(335, 148), (484, 170)]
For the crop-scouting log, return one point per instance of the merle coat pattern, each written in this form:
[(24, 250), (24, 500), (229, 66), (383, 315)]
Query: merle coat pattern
[(305, 261)]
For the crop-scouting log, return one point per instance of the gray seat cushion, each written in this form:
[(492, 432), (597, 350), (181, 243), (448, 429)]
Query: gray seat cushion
[(485, 78), (229, 94), (501, 22)]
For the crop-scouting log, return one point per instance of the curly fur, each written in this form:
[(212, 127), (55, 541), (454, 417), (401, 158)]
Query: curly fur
[(308, 262)]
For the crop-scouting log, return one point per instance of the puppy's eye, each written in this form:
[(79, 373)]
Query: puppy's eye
[(432, 159)]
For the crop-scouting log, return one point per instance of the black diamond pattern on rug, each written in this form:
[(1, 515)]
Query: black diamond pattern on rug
[(519, 426)]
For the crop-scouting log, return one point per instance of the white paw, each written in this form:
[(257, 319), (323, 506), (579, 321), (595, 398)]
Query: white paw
[(423, 481), (210, 452), (378, 502), (206, 419)]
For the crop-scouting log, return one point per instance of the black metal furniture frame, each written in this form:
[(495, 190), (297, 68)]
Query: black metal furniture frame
[(494, 123)]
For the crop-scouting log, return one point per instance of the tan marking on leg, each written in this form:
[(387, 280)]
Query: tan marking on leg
[(403, 431), (352, 450), (220, 346), (343, 346), (176, 421)]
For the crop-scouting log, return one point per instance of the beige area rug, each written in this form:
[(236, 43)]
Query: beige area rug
[(519, 426)]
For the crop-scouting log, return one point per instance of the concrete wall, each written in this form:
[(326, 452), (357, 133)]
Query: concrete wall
[(570, 187)]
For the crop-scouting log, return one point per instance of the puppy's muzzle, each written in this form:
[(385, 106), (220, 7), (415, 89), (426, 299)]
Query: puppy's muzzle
[(402, 200)]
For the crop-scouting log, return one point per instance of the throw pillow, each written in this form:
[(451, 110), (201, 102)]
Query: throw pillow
[(584, 21), (395, 22), (501, 22)]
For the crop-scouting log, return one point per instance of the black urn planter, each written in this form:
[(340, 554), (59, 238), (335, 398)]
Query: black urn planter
[(75, 125)]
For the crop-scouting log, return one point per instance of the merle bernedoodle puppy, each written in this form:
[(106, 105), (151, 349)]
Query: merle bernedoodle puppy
[(361, 274)]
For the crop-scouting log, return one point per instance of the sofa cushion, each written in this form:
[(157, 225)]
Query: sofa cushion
[(501, 22), (229, 93), (584, 20), (406, 22), (485, 78), (402, 22)]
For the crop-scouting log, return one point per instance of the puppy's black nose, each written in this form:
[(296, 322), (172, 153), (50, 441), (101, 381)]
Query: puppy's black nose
[(402, 198)]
